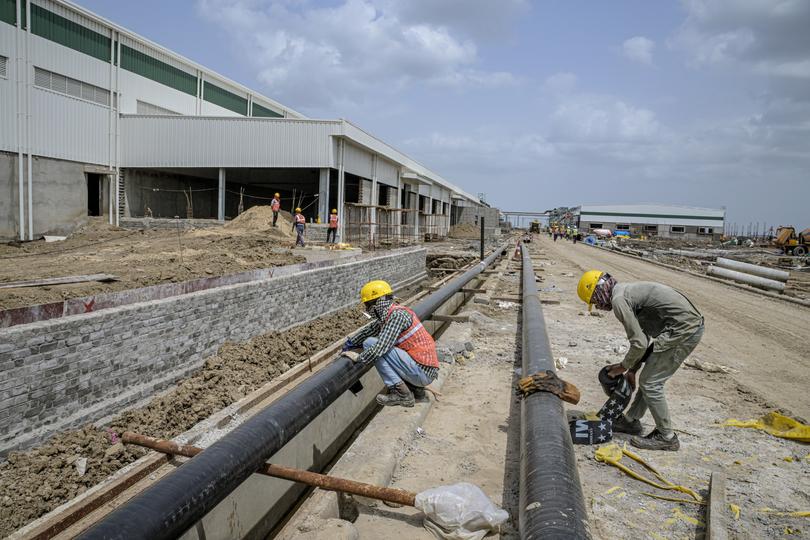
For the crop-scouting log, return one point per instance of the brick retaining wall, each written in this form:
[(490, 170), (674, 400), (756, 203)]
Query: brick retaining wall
[(65, 372)]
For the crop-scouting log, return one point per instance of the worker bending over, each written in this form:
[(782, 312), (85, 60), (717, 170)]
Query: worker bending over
[(275, 206), (299, 223), (653, 315), (333, 224), (402, 350)]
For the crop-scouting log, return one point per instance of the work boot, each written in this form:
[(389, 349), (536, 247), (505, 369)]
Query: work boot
[(656, 441), (398, 394), (631, 427), (419, 394)]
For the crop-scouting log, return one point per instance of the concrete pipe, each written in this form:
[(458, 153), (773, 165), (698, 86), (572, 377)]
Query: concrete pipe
[(748, 268), (748, 279)]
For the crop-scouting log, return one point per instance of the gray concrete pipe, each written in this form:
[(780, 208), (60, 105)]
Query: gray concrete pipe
[(754, 269), (748, 279), (174, 504), (551, 500)]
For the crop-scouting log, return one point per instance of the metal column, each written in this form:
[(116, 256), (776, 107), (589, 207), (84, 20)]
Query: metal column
[(323, 195), (221, 196)]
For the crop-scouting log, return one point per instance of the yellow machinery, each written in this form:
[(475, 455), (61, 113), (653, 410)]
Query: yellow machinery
[(791, 243), (534, 226)]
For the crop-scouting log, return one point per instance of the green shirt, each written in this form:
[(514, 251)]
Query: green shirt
[(651, 311)]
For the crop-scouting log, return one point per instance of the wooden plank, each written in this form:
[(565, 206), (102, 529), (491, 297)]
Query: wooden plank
[(716, 515), (450, 318), (57, 281), (508, 298)]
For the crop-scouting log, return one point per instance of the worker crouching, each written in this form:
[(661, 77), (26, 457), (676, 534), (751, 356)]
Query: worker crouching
[(402, 350), (655, 317)]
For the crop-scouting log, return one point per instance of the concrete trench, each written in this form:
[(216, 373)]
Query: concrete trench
[(261, 505)]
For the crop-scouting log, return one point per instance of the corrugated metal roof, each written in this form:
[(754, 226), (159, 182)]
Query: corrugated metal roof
[(651, 209)]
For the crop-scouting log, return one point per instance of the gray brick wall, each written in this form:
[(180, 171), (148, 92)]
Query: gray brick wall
[(65, 372)]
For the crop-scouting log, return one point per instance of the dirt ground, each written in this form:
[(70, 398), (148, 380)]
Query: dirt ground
[(758, 337), (468, 435), (140, 258), (35, 482)]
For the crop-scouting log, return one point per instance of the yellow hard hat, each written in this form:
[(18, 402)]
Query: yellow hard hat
[(375, 289), (334, 210), (587, 284), (278, 195), (298, 210)]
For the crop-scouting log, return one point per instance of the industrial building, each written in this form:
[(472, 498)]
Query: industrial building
[(666, 221), (98, 121)]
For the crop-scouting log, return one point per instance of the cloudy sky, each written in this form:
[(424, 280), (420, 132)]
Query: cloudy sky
[(537, 103)]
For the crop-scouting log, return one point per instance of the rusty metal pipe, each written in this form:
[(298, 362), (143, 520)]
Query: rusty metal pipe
[(329, 483)]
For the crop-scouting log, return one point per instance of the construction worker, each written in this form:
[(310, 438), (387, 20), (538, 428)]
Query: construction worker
[(333, 224), (275, 206), (656, 316), (402, 350), (299, 223)]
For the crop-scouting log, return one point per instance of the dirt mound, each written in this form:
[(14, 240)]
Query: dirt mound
[(465, 230), (35, 482), (260, 218)]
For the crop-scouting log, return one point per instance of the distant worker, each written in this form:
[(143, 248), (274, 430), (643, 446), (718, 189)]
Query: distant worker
[(275, 206), (299, 223), (402, 350), (654, 316), (332, 228)]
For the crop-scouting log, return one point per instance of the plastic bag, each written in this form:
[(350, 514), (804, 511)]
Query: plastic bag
[(459, 512), (777, 425)]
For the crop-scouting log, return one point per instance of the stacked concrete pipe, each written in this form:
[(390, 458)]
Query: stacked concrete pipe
[(751, 274)]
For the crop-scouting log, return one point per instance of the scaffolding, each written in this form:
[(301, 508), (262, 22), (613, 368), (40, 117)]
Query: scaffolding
[(377, 227), (434, 227)]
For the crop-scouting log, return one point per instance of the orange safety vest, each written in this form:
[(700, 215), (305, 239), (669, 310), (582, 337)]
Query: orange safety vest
[(275, 204), (416, 341), (333, 221)]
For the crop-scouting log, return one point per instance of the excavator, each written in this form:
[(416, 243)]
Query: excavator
[(791, 243), (534, 226)]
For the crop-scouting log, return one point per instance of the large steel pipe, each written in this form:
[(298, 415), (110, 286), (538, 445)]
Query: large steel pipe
[(551, 501), (754, 269), (748, 279), (174, 504)]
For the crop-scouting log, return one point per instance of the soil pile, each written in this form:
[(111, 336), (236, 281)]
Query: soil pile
[(260, 218), (35, 482), (438, 262), (466, 231), (140, 258)]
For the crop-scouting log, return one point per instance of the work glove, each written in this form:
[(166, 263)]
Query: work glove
[(348, 345), (351, 355)]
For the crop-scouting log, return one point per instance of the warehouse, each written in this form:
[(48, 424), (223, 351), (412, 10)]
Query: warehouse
[(666, 221), (107, 123)]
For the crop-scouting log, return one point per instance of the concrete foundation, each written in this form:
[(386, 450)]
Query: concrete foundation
[(59, 196), (64, 372)]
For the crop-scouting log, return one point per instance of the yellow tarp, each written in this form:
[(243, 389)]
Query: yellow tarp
[(777, 425), (612, 455)]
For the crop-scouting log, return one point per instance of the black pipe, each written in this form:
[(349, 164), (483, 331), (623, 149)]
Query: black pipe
[(174, 504), (551, 501)]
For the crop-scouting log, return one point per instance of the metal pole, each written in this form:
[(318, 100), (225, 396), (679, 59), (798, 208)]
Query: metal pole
[(551, 501), (28, 123), (174, 504), (221, 196), (482, 238)]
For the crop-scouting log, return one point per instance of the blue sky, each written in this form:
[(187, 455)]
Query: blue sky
[(537, 104)]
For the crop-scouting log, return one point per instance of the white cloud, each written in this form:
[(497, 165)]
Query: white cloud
[(639, 49), (325, 57)]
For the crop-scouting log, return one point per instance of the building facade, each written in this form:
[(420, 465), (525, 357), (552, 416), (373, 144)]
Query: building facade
[(666, 221), (100, 121)]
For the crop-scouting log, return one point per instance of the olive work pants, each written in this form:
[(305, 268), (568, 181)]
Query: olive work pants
[(660, 366)]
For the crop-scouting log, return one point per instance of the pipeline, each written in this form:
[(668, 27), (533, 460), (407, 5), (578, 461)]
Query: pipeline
[(551, 501), (174, 504), (748, 279), (754, 269)]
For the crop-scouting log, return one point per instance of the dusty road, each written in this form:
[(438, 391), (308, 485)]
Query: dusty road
[(765, 339), (766, 475)]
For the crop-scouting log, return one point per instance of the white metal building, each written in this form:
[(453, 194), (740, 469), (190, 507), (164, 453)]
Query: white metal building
[(686, 222), (97, 120)]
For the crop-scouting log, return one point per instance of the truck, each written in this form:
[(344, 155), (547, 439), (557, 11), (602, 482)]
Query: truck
[(792, 243)]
